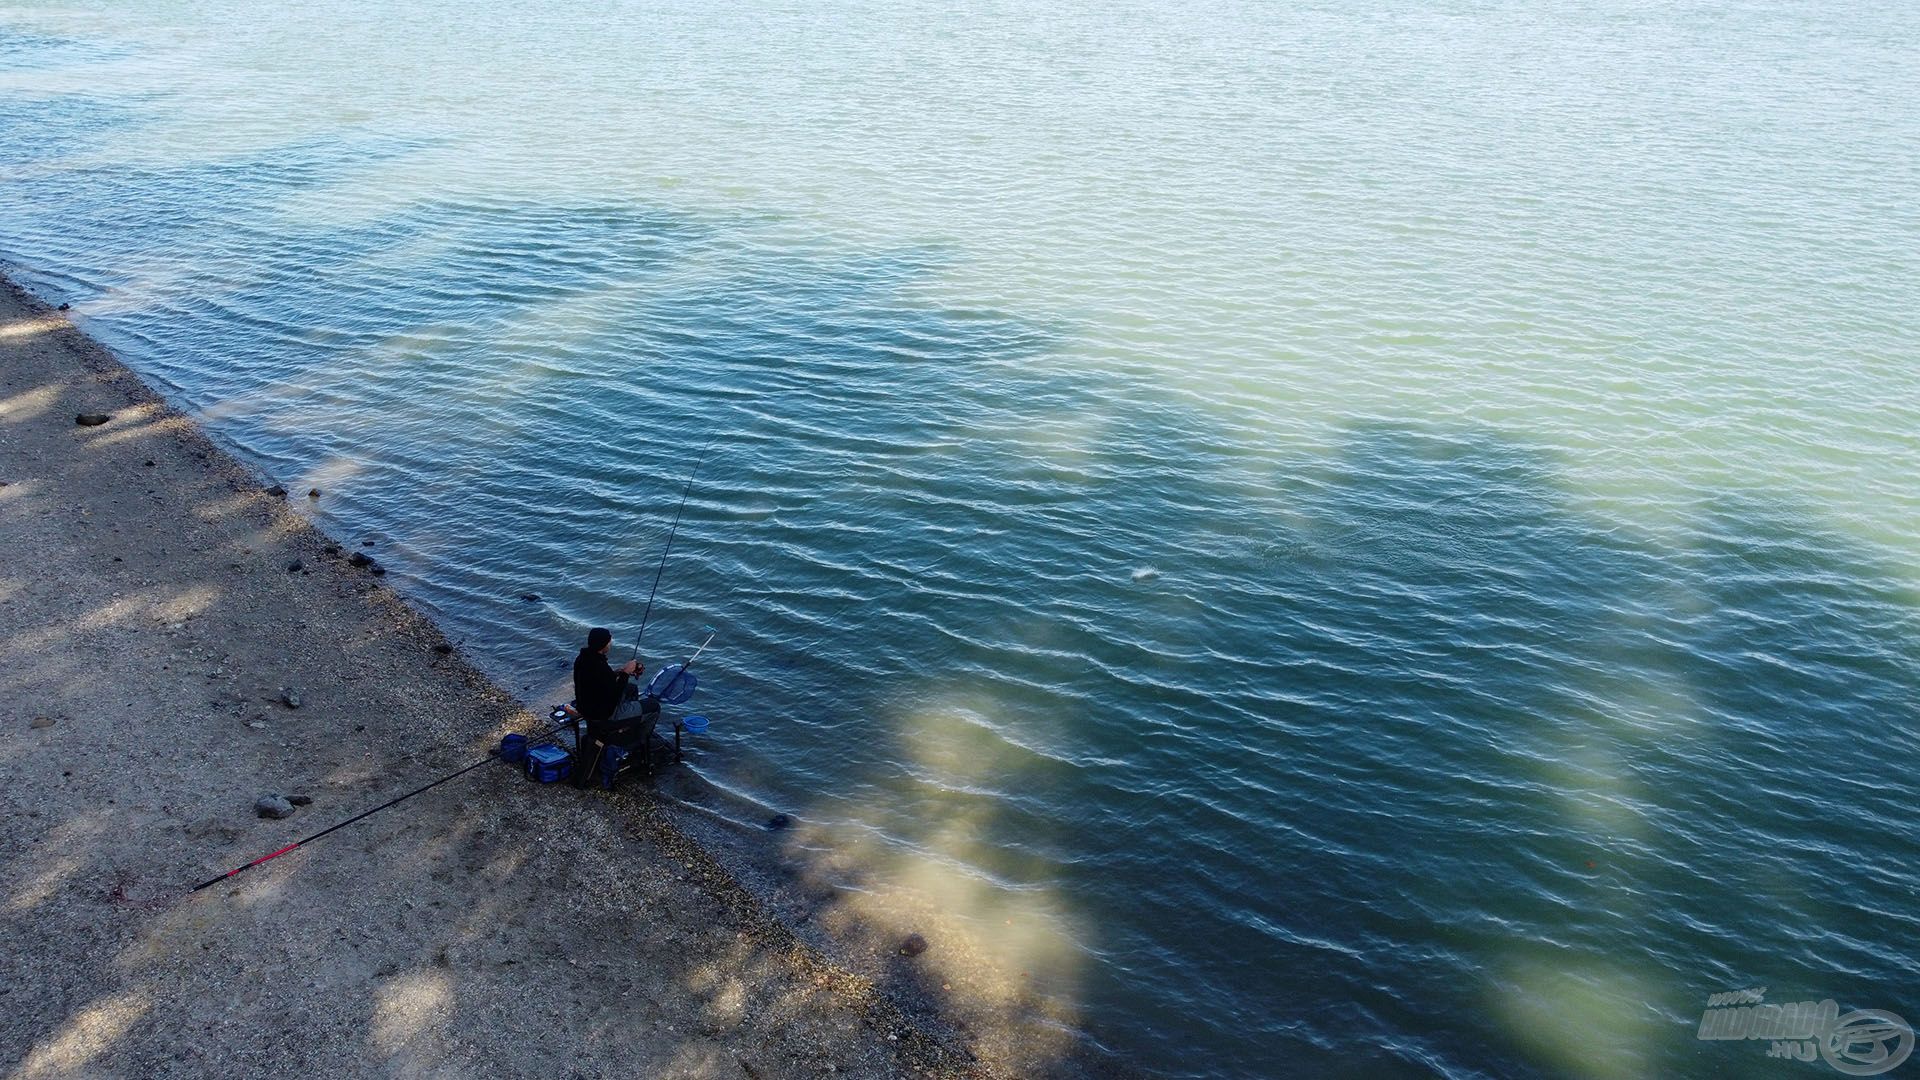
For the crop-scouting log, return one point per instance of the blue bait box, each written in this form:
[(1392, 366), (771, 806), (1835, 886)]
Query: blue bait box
[(548, 763)]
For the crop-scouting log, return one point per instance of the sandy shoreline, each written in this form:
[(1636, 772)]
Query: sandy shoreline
[(149, 623)]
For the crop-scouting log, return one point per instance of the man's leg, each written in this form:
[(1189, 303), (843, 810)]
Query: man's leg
[(632, 708)]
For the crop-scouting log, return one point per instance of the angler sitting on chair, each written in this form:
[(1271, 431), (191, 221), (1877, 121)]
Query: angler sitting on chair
[(610, 712)]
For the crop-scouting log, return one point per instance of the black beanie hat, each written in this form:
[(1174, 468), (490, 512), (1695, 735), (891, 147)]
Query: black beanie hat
[(597, 638)]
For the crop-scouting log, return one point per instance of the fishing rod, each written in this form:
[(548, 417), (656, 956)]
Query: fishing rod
[(363, 814), (673, 685), (684, 492)]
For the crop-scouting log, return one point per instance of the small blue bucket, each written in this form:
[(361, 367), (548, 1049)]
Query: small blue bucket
[(695, 725)]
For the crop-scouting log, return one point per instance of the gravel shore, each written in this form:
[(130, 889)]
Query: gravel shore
[(176, 643)]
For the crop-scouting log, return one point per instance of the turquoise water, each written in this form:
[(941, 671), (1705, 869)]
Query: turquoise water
[(1292, 539)]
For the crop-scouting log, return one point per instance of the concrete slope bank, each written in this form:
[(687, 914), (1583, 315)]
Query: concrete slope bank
[(152, 620)]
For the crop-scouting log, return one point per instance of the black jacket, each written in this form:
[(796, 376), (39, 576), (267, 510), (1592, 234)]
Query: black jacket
[(597, 689)]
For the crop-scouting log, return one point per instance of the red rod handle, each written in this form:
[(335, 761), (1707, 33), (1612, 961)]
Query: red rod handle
[(248, 866)]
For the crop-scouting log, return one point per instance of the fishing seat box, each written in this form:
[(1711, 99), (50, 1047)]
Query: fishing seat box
[(642, 748), (548, 763)]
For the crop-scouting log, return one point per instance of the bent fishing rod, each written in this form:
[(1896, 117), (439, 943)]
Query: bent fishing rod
[(491, 755)]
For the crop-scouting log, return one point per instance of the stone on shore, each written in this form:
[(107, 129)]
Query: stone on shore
[(91, 419), (273, 806)]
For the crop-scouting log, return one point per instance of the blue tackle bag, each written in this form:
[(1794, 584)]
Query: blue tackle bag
[(513, 749), (611, 759), (548, 763)]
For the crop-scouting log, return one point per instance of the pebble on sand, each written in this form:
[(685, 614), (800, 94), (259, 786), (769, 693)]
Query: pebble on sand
[(360, 558), (290, 698), (41, 722), (313, 493), (913, 946), (91, 419), (295, 566), (272, 806), (300, 800), (443, 648), (277, 491)]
